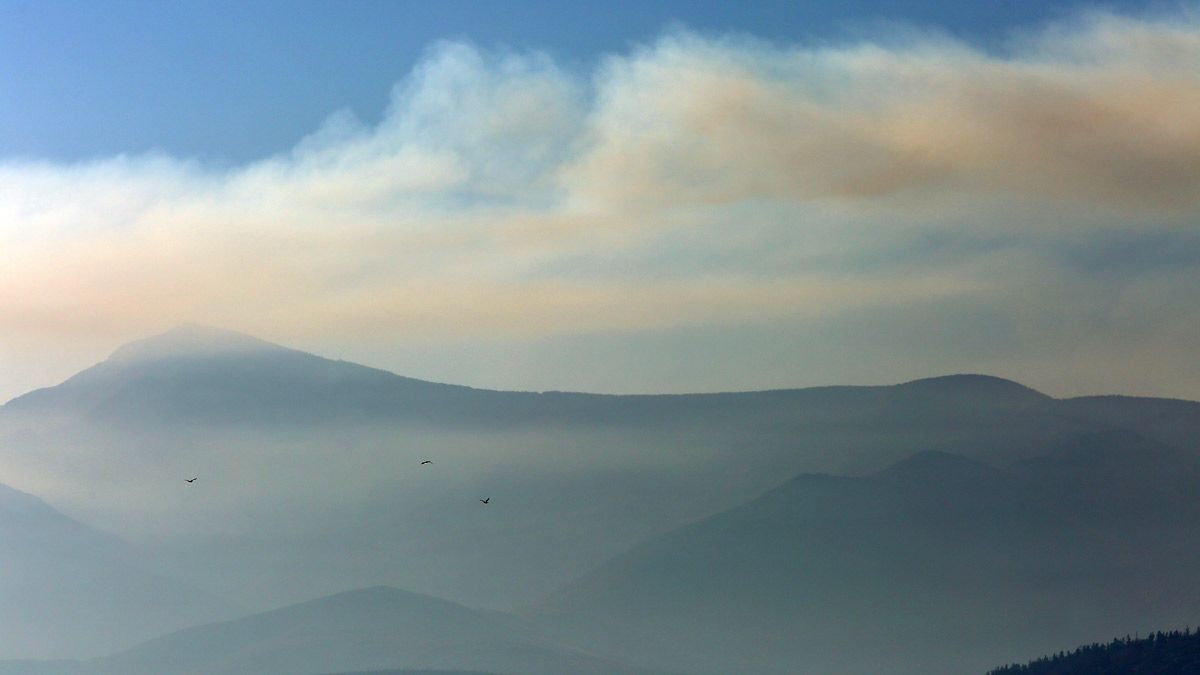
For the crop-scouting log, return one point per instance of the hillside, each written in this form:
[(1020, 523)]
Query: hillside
[(939, 564), (1173, 653), (364, 630), (310, 478), (71, 591)]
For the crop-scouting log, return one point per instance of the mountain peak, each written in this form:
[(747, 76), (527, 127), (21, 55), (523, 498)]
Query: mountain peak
[(190, 339), (974, 384)]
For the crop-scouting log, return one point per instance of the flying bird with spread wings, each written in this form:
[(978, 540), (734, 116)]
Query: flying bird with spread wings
[(189, 480), (485, 501)]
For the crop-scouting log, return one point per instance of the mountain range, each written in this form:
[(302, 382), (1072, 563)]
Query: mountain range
[(954, 563), (928, 526), (364, 630), (69, 590)]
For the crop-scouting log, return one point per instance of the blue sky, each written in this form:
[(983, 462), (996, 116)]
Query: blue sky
[(618, 197), (234, 81)]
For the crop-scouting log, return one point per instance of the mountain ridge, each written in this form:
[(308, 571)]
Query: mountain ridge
[(198, 340), (361, 630), (929, 538), (319, 459), (83, 583), (191, 339)]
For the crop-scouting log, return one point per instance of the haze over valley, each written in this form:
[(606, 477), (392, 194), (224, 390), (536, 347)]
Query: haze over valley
[(655, 337), (750, 532)]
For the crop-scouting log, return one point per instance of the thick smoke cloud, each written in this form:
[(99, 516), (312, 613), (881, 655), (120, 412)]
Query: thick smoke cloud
[(698, 184)]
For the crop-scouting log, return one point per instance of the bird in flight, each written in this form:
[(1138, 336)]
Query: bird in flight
[(189, 480), (484, 501), (428, 461)]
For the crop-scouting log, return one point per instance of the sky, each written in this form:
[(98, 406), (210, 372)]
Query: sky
[(620, 197)]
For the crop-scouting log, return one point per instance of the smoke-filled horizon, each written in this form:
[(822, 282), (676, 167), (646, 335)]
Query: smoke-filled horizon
[(700, 212)]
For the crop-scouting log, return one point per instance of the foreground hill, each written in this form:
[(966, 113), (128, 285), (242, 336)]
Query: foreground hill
[(939, 564), (1173, 653), (69, 590), (365, 630)]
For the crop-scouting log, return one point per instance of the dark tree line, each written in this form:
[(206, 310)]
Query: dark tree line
[(1173, 653)]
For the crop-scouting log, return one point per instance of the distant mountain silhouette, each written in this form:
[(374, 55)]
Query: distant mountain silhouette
[(69, 590), (938, 564), (195, 374), (198, 374), (192, 340), (363, 630), (961, 388), (1159, 653), (311, 481)]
